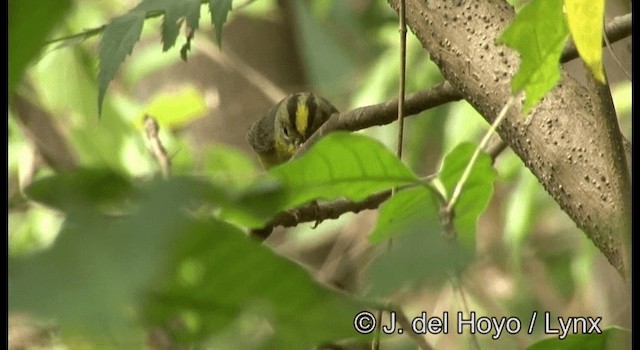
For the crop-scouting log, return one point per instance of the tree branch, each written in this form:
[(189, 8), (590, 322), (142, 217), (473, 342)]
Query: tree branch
[(386, 113), (562, 141)]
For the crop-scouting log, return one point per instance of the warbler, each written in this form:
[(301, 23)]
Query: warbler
[(287, 125)]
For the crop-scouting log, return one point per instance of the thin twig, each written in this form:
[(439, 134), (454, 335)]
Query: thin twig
[(151, 128), (467, 171), (615, 57), (401, 85)]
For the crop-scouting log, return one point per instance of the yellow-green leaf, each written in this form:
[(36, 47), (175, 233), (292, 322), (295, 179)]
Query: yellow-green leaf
[(585, 24)]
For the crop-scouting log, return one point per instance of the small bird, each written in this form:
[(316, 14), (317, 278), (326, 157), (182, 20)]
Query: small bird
[(277, 136)]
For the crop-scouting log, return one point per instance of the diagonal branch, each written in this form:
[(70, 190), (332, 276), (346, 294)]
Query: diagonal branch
[(386, 113)]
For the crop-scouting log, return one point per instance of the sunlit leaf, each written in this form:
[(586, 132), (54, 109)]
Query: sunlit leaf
[(539, 33), (340, 165), (585, 19)]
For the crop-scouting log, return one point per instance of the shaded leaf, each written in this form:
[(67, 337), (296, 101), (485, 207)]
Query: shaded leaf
[(475, 193), (79, 189), (585, 20), (29, 24), (219, 11), (193, 276), (220, 276), (420, 254), (117, 43), (403, 212), (539, 33)]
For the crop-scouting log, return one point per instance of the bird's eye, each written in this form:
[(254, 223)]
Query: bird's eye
[(285, 129)]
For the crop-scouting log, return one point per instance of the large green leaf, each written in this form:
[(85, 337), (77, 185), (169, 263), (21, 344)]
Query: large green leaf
[(475, 193), (80, 189), (154, 256), (585, 19), (29, 24), (403, 212), (220, 277), (610, 339), (340, 165), (539, 33), (420, 253)]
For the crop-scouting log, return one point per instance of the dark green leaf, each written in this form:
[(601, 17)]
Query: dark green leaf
[(117, 43), (539, 33), (29, 24), (219, 11), (475, 193), (79, 189), (220, 277)]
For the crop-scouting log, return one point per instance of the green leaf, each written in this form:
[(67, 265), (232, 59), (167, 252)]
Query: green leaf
[(611, 338), (174, 12), (105, 277), (585, 19), (29, 24), (123, 32), (117, 43), (220, 277), (475, 193), (81, 188), (219, 11), (228, 165), (539, 33), (420, 254), (339, 165), (404, 212), (91, 280)]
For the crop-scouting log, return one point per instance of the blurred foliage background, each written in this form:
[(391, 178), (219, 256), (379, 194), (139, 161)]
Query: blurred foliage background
[(530, 254)]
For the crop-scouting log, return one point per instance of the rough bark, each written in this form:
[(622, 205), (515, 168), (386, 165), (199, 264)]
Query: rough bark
[(562, 141)]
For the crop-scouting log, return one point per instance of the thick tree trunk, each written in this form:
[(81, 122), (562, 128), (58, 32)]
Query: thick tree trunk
[(566, 141)]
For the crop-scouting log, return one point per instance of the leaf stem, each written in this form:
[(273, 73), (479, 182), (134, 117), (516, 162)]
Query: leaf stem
[(474, 158)]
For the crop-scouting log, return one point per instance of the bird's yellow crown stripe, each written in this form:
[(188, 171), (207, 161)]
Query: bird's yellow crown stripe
[(302, 117)]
